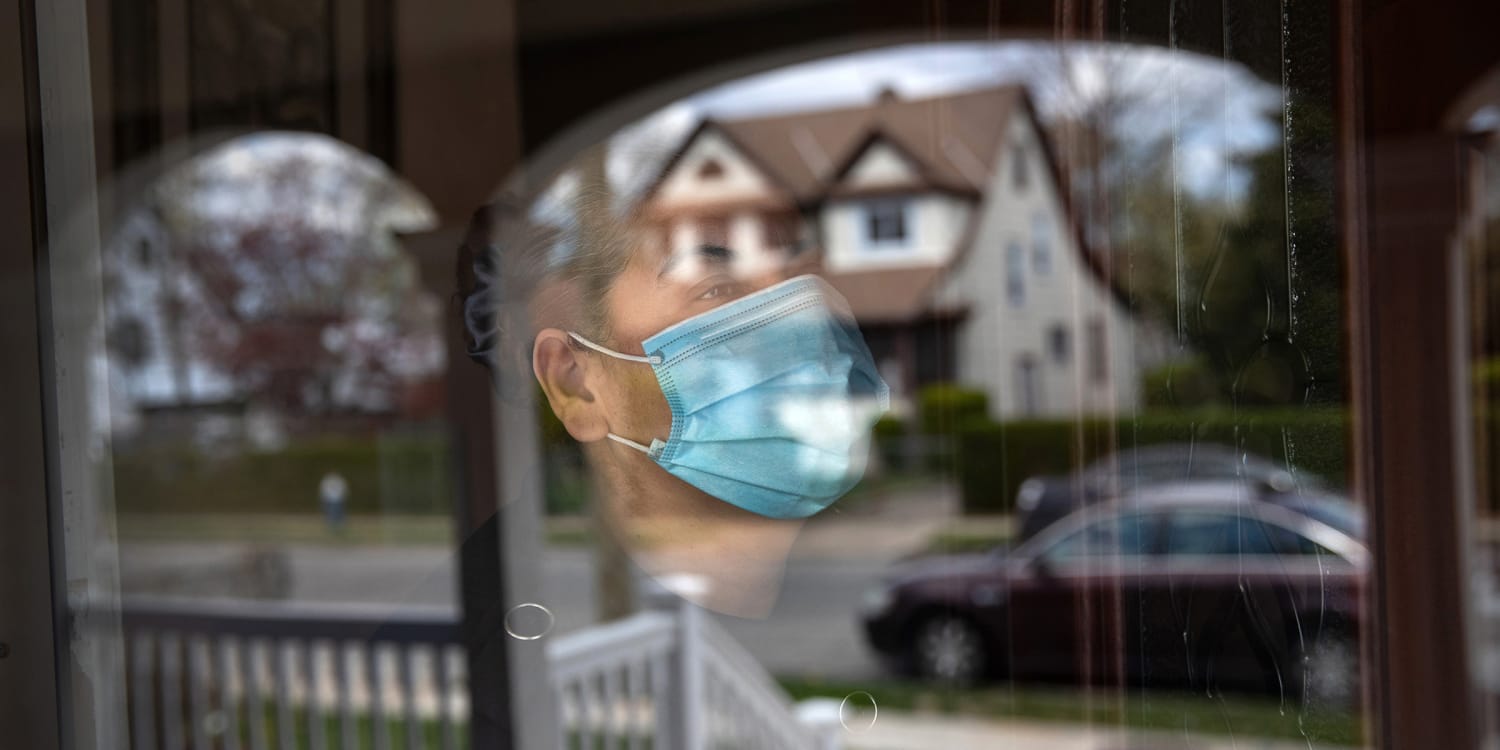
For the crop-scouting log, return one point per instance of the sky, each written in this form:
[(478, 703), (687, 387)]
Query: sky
[(1215, 109)]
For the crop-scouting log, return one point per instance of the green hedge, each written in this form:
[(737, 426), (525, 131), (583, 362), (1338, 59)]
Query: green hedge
[(1184, 384), (403, 474), (944, 408), (993, 459)]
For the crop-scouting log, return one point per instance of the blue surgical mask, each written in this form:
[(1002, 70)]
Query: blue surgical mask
[(772, 396)]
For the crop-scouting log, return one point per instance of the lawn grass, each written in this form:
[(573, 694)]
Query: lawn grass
[(430, 734), (972, 534), (309, 528), (1241, 716)]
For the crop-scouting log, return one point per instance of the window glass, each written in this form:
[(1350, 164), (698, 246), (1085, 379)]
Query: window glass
[(1041, 244), (1097, 351), (1114, 536), (1015, 274), (1059, 344), (711, 169), (1227, 534), (713, 231), (1019, 171), (885, 223), (397, 383)]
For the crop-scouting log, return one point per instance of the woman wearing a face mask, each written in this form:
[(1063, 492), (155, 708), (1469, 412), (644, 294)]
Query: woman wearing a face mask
[(720, 399)]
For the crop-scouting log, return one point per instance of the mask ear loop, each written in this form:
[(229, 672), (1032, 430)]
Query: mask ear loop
[(627, 441), (651, 360)]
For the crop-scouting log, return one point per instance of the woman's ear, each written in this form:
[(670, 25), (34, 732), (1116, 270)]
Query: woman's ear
[(561, 371)]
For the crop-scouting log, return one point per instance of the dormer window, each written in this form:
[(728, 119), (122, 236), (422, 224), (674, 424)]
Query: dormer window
[(713, 231), (711, 169), (885, 223)]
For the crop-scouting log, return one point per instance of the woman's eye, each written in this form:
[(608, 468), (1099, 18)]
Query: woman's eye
[(719, 291)]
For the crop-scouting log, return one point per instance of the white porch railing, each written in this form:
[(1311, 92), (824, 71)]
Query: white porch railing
[(261, 675), (674, 679)]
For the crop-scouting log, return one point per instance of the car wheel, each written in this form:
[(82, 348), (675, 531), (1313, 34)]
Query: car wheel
[(949, 648)]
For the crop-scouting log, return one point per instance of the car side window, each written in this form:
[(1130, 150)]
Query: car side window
[(1208, 533), (1112, 536)]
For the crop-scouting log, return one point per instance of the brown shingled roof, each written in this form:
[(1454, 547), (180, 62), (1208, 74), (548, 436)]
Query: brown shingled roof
[(949, 135)]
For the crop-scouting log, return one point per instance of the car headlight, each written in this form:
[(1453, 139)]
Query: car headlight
[(877, 599)]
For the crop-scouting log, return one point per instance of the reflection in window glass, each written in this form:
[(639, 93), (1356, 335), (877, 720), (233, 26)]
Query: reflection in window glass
[(682, 448), (1115, 536), (1041, 244), (885, 223), (1015, 274), (1224, 534)]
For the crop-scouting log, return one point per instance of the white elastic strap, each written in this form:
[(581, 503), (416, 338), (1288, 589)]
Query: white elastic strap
[(627, 441), (613, 353)]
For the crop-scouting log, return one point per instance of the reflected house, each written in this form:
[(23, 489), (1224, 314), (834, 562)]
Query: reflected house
[(943, 221)]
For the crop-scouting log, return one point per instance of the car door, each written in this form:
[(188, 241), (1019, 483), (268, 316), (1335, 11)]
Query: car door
[(1241, 601), (1073, 593)]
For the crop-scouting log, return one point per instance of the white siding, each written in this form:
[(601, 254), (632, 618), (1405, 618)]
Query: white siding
[(881, 165), (934, 222), (739, 181), (691, 195), (998, 334)]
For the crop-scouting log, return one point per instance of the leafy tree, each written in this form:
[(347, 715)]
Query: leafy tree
[(283, 276)]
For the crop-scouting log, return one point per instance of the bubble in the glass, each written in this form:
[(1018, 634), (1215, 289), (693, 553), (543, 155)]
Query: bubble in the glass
[(215, 723), (528, 621), (857, 712)]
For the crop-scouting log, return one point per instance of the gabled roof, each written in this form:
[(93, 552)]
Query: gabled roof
[(837, 179), (954, 139)]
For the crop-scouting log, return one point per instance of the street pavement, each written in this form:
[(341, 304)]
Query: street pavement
[(812, 631), (898, 731)]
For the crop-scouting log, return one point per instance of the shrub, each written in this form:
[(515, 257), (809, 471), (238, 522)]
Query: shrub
[(1187, 383), (388, 474), (945, 408), (889, 435), (994, 458)]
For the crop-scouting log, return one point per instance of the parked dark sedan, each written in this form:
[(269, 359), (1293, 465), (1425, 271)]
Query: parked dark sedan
[(1042, 500), (1203, 593)]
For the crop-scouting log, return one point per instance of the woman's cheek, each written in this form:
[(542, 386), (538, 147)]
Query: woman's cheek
[(648, 406)]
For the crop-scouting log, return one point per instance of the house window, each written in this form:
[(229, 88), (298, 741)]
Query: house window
[(782, 231), (711, 169), (1041, 244), (1059, 344), (1098, 352), (1028, 386), (885, 224), (1018, 175), (713, 231), (1015, 274)]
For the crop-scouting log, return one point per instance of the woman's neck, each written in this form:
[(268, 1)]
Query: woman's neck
[(679, 533)]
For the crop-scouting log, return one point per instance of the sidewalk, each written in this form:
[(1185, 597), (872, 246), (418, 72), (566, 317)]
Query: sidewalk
[(885, 528), (904, 731)]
